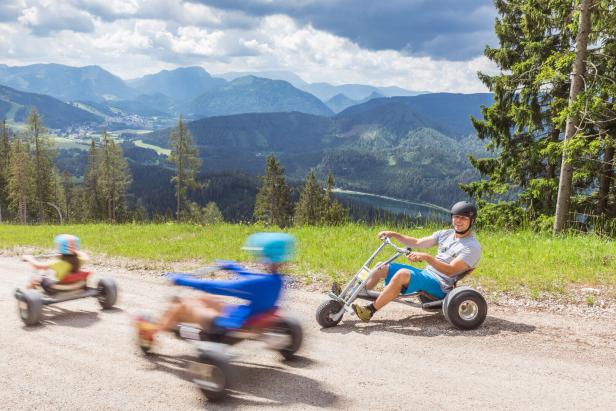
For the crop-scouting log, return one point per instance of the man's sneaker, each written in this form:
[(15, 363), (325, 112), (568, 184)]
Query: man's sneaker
[(364, 313)]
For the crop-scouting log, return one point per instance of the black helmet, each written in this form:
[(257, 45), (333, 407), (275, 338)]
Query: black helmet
[(467, 209), (464, 208)]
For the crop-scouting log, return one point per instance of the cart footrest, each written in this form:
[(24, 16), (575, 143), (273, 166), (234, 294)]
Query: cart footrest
[(70, 295), (368, 295)]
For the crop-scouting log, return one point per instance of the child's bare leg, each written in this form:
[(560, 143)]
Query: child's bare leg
[(211, 301), (187, 311), (34, 282)]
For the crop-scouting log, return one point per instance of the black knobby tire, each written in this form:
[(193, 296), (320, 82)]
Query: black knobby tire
[(291, 327), (324, 312), (465, 308), (107, 293), (30, 306), (214, 385)]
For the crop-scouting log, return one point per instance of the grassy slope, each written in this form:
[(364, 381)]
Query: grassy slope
[(522, 261)]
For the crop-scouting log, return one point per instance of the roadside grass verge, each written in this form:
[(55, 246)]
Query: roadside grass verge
[(522, 262)]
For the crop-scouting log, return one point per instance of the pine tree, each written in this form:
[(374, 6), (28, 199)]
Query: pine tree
[(579, 72), (113, 178), (5, 153), (68, 192), (42, 162), (310, 210), (212, 214), (90, 182), (526, 126), (334, 212), (185, 156), (21, 181), (273, 203)]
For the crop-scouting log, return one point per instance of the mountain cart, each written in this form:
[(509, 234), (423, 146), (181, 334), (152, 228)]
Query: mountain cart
[(74, 286), (211, 369), (464, 307)]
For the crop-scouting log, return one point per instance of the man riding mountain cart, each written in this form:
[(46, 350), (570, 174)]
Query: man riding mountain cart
[(458, 254)]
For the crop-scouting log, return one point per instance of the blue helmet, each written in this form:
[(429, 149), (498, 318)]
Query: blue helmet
[(66, 244), (271, 247)]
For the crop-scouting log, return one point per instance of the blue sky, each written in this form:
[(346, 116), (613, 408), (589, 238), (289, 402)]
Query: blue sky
[(433, 45)]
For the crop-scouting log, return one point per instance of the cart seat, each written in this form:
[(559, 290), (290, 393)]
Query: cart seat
[(72, 281), (462, 275), (261, 320)]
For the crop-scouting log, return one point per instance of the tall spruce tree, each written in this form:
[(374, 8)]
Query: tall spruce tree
[(5, 154), (113, 178), (572, 126), (334, 213), (91, 187), (310, 208), (525, 127), (273, 203), (42, 162), (21, 187), (185, 156)]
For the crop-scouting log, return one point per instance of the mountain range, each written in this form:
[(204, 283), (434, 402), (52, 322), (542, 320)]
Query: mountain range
[(190, 91), (411, 147), (15, 106)]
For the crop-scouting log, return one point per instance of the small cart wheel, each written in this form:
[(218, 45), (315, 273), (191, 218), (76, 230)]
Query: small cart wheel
[(212, 374), (465, 308), (292, 328), (107, 293), (30, 306), (325, 312)]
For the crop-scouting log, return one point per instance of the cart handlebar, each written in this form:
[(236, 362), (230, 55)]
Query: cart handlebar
[(400, 250)]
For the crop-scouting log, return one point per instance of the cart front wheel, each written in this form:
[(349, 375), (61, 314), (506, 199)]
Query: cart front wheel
[(30, 307), (326, 311), (211, 372), (465, 308)]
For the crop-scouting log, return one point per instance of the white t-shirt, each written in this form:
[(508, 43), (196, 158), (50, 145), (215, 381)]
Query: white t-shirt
[(450, 248)]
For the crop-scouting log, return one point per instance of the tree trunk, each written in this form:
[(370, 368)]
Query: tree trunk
[(550, 173), (563, 201), (605, 177)]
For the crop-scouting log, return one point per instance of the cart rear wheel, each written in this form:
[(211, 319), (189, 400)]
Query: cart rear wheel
[(465, 308), (30, 306), (325, 312), (212, 374), (107, 293)]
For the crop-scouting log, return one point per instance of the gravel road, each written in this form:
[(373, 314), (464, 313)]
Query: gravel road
[(84, 358)]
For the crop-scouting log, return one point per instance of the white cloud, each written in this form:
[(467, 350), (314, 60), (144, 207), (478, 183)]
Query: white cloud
[(46, 16), (130, 42)]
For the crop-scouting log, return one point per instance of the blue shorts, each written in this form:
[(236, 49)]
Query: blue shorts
[(421, 280)]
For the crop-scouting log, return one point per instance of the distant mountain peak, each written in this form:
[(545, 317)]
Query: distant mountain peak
[(252, 94)]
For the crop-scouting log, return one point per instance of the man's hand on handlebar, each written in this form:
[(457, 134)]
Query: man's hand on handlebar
[(386, 234), (416, 257)]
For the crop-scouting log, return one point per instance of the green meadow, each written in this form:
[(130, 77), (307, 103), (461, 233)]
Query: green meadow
[(522, 262)]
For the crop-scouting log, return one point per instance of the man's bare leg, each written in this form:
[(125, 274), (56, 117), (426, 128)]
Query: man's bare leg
[(392, 290), (377, 276), (400, 280)]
